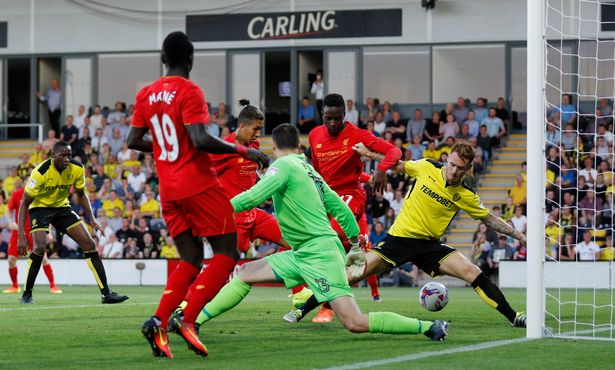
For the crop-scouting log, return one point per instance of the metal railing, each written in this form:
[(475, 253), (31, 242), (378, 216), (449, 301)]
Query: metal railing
[(5, 127)]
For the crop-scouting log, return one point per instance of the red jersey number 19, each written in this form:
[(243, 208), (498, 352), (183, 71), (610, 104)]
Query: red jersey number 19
[(165, 135)]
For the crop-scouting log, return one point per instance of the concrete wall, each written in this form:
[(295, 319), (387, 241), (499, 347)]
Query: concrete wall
[(61, 26)]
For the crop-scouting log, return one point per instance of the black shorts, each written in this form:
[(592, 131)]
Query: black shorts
[(63, 219), (424, 253)]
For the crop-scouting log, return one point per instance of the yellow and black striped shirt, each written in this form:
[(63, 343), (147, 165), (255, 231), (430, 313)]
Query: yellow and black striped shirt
[(50, 188), (431, 203)]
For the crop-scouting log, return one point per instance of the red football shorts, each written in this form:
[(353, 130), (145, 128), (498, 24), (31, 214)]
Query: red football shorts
[(205, 214), (256, 224), (13, 243), (356, 203)]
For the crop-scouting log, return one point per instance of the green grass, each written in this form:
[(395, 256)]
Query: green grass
[(74, 331)]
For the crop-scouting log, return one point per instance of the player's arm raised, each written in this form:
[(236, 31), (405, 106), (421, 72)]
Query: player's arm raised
[(274, 180), (390, 157), (398, 166), (206, 142)]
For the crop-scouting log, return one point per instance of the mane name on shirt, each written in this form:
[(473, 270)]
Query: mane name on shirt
[(165, 96)]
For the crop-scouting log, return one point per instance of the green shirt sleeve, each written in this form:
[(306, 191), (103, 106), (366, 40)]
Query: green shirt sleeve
[(274, 180), (340, 211)]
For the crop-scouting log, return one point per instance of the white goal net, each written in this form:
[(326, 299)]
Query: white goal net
[(579, 93)]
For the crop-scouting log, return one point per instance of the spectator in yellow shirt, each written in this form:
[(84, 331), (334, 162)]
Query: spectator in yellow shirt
[(110, 168), (150, 208), (518, 193), (431, 152), (113, 202), (169, 250), (37, 156), (608, 252), (9, 181), (130, 163)]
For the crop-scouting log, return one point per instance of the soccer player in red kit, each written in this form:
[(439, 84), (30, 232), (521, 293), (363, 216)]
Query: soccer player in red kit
[(236, 174), (342, 168), (13, 207), (194, 204)]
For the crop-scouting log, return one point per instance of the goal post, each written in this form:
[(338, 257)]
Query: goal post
[(535, 304)]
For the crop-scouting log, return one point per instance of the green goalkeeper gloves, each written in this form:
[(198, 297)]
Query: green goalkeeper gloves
[(355, 260)]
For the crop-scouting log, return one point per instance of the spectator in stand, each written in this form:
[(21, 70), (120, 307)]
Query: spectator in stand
[(50, 141), (485, 142), (569, 137), (473, 124), (519, 221), (306, 120), (495, 127), (465, 132), (98, 141), (450, 128), (508, 209), (100, 177), (9, 184), (80, 117), (449, 109), (608, 251), (108, 205), (114, 117), (352, 114), (416, 125), (478, 163), (591, 204), (553, 235), (69, 132), (53, 100), (431, 152), (87, 123), (501, 111), (221, 116), (107, 131), (499, 252), (608, 135), (388, 218), (605, 107), (368, 113), (151, 207), (80, 144), (115, 222), (380, 125), (482, 242), (126, 231), (432, 129), (377, 234), (318, 90), (553, 136), (481, 110), (95, 118), (588, 172), (416, 148), (169, 250), (397, 201), (116, 141), (387, 111), (396, 126), (461, 111), (520, 253), (587, 250), (379, 205), (567, 111), (519, 191), (150, 247), (136, 179), (25, 167)]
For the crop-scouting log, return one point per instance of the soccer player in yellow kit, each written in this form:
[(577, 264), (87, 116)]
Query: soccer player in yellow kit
[(433, 200)]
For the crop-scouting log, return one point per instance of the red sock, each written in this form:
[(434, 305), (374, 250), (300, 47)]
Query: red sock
[(49, 272), (209, 283), (13, 274), (175, 291), (372, 281), (190, 290), (298, 288)]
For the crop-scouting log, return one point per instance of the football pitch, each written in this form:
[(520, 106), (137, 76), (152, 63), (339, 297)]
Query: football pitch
[(74, 330)]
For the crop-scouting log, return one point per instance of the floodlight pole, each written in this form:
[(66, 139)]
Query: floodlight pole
[(535, 167)]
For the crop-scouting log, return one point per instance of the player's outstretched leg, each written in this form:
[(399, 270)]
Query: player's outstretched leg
[(34, 266), (350, 315), (457, 265), (79, 234)]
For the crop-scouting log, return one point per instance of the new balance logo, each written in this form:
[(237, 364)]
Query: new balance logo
[(199, 287), (168, 291)]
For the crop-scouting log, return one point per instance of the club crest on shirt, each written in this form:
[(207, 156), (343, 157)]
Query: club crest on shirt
[(456, 197), (70, 176), (271, 171)]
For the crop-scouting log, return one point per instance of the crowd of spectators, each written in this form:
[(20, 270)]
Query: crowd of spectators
[(123, 184)]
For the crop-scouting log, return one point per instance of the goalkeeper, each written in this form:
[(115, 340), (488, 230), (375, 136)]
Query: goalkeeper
[(302, 200)]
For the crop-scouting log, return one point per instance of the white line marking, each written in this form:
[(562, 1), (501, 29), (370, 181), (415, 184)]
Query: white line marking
[(74, 306), (421, 355)]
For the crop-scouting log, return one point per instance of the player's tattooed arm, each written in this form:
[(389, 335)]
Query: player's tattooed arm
[(497, 224), (138, 141), (364, 151)]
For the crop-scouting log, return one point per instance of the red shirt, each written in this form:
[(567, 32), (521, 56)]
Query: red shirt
[(14, 204), (339, 165), (166, 107), (236, 173)]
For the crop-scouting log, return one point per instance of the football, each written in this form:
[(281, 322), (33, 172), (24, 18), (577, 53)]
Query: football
[(433, 296)]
